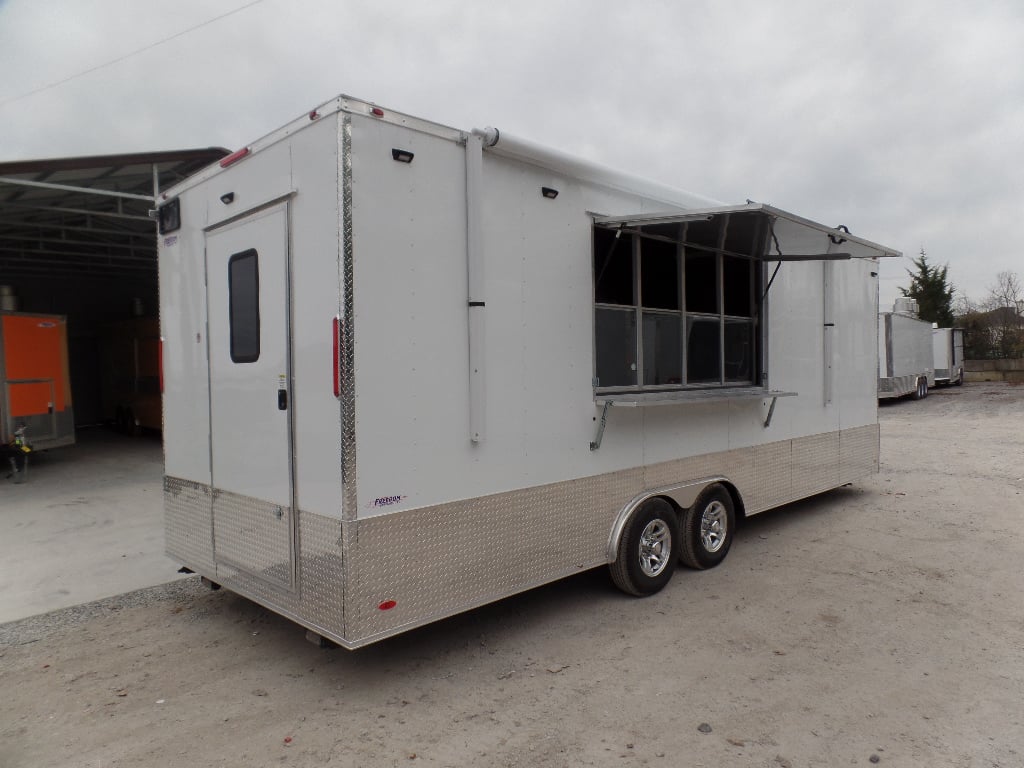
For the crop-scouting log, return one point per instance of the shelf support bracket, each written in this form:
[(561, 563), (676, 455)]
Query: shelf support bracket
[(771, 412), (600, 427)]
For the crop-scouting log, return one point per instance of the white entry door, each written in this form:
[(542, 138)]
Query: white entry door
[(250, 396)]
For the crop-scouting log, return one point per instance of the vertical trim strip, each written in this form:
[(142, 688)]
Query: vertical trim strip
[(475, 264), (348, 384)]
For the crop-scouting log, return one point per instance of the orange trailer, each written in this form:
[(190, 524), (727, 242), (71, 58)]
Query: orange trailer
[(35, 385)]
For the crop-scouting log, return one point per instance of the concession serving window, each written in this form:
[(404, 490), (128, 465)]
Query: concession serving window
[(679, 299)]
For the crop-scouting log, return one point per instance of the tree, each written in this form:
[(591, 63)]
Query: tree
[(994, 328), (933, 291), (1005, 304)]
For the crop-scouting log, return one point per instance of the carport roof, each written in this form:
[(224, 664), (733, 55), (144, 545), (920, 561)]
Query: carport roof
[(74, 217)]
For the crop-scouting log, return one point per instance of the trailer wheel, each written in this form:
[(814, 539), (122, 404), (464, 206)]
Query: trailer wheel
[(707, 528), (922, 389), (647, 551)]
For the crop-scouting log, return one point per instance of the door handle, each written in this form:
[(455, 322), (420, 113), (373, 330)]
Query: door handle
[(282, 399)]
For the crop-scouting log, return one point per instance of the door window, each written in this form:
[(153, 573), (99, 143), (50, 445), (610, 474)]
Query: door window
[(244, 306)]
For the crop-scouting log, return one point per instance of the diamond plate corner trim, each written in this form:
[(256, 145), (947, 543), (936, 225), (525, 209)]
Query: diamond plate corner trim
[(349, 504), (188, 523), (348, 400)]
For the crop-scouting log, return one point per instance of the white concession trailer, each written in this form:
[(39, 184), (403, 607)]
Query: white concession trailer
[(948, 355), (410, 370), (906, 365)]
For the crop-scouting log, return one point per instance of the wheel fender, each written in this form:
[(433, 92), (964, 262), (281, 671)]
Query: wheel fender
[(682, 495)]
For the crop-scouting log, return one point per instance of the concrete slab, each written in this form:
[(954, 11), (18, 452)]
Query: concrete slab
[(86, 524)]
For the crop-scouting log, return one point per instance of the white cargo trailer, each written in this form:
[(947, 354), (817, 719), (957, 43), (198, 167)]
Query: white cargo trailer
[(410, 370), (948, 355), (905, 363)]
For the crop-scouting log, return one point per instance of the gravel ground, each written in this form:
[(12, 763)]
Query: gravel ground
[(880, 623)]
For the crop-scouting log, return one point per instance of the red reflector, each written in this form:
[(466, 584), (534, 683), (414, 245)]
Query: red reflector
[(377, 112), (336, 325), (160, 364), (387, 605), (234, 157), (314, 115)]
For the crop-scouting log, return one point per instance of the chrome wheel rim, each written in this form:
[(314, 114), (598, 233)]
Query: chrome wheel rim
[(655, 547), (714, 526)]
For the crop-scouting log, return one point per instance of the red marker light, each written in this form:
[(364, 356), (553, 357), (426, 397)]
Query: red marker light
[(377, 112), (387, 605), (234, 157), (314, 115)]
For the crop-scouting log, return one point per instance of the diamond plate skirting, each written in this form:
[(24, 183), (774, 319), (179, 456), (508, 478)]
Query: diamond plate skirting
[(437, 561), (897, 386), (188, 524), (253, 536)]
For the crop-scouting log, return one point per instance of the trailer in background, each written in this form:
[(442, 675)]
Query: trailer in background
[(130, 386), (905, 362), (948, 354), (35, 386), (409, 370)]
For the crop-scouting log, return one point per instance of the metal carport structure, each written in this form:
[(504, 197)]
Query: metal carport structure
[(77, 239)]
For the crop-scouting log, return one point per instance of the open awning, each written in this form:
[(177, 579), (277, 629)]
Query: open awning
[(783, 236), (77, 217)]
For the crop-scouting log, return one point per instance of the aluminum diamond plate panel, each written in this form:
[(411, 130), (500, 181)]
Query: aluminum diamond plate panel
[(858, 453), (437, 561), (253, 536), (318, 600), (773, 476), (737, 465), (815, 464), (188, 529)]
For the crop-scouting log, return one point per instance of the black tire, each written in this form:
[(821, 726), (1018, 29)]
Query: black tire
[(920, 391), (646, 558), (707, 528)]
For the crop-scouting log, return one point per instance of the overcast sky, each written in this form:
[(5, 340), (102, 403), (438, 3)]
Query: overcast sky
[(903, 120)]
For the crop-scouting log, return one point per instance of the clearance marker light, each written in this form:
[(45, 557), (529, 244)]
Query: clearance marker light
[(377, 112), (234, 157), (387, 605)]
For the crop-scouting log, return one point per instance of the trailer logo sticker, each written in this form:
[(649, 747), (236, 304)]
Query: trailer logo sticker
[(171, 240), (385, 501)]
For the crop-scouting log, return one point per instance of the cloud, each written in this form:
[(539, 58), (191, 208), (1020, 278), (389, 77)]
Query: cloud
[(904, 121)]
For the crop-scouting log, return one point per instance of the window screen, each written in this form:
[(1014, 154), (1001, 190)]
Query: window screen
[(244, 306), (675, 305)]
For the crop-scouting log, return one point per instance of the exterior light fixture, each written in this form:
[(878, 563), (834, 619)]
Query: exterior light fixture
[(549, 192), (402, 155), (227, 198)]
